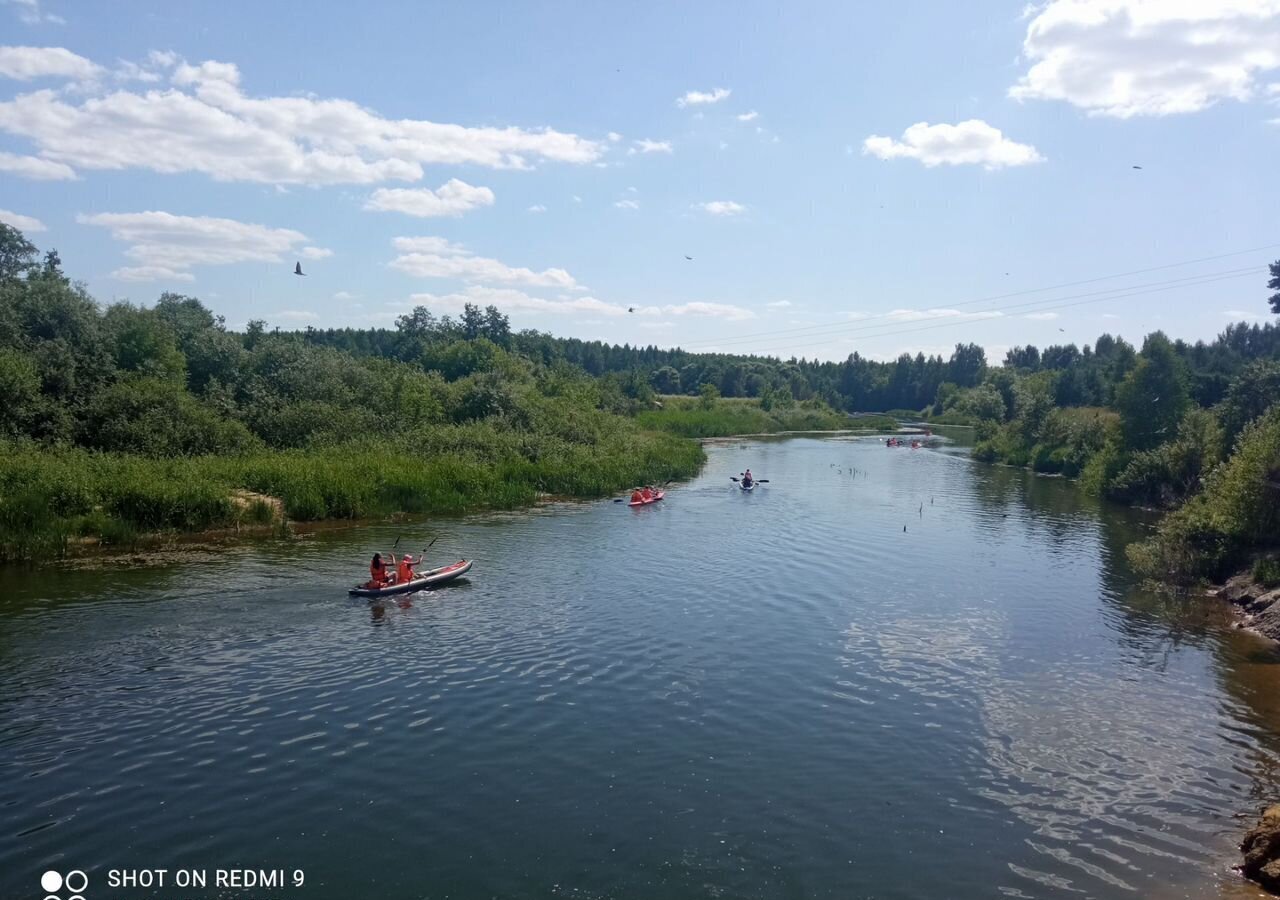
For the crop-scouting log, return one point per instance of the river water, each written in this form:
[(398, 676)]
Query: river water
[(886, 673)]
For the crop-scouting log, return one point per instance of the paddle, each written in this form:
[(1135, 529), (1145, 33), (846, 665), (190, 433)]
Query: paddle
[(753, 481)]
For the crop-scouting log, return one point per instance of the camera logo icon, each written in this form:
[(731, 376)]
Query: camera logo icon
[(74, 882)]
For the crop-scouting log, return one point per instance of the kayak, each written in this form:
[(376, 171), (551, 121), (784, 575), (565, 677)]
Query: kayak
[(654, 499), (747, 487), (430, 578)]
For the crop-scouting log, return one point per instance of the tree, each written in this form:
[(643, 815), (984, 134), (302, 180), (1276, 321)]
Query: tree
[(497, 327), (967, 365), (472, 321), (1153, 397), (708, 393), (666, 380), (17, 254), (1255, 390), (1274, 284)]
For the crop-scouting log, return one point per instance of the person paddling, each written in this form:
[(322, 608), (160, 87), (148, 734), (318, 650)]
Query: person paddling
[(404, 571), (747, 479), (378, 576), (637, 496), (647, 493)]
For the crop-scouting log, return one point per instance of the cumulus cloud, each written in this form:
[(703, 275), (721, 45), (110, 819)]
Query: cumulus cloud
[(537, 208), (22, 223), (167, 246), (626, 204), (27, 63), (294, 314), (316, 252), (721, 208), (1127, 58), (29, 12), (702, 98), (748, 116), (972, 142), (453, 198), (435, 257), (1042, 316), (34, 168), (202, 121), (644, 145)]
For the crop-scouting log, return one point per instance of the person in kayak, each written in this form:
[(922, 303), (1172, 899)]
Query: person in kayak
[(404, 572), (747, 479), (647, 493), (637, 496), (378, 576)]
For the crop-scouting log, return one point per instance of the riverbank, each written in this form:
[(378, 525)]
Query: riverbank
[(60, 501), (720, 417)]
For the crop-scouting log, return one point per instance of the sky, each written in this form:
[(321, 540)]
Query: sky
[(802, 179)]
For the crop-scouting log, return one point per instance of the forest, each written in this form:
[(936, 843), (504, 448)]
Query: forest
[(125, 419)]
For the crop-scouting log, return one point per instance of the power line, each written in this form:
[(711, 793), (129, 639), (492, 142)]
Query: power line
[(1206, 279), (994, 297)]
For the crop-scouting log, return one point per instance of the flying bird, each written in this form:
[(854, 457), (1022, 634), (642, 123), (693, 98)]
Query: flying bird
[(688, 257), (1137, 167), (1063, 330), (297, 269)]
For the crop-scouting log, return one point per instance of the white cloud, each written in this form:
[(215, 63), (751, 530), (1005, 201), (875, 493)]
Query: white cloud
[(779, 304), (748, 116), (34, 167), (453, 198), (344, 296), (721, 208), (577, 199), (167, 246), (26, 63), (30, 13), (626, 204), (202, 121), (702, 98), (644, 145), (1127, 58), (1042, 316), (1229, 313), (537, 208), (519, 301), (614, 137), (151, 273), (22, 223), (315, 252), (917, 315), (294, 314), (435, 257), (968, 143)]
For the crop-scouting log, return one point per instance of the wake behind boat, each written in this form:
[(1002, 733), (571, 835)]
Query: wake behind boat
[(430, 578)]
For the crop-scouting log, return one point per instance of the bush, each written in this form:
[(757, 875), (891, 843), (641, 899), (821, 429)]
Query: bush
[(157, 417), (1267, 572)]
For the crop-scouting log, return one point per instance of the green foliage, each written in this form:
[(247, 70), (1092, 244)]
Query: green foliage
[(1237, 511), (1266, 572), (1152, 398), (1274, 284), (709, 394), (158, 417), (1250, 395), (1166, 475), (725, 417)]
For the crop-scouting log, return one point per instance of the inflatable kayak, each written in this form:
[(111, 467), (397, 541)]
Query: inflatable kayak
[(430, 578), (747, 487), (654, 499)]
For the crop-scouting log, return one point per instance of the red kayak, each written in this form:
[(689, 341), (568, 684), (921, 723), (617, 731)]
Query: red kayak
[(654, 499)]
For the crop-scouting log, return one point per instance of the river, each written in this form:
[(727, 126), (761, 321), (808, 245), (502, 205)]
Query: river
[(886, 673)]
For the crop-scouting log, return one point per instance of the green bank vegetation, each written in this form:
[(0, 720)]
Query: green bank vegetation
[(711, 415)]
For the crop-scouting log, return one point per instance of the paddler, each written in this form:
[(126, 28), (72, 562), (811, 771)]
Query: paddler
[(404, 571), (637, 496), (378, 576), (747, 479), (647, 493)]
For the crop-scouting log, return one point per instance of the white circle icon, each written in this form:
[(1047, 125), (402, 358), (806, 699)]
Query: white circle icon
[(51, 882), (76, 874)]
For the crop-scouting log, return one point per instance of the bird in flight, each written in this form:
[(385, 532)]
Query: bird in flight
[(297, 269), (631, 309), (1137, 167), (1062, 330), (688, 257)]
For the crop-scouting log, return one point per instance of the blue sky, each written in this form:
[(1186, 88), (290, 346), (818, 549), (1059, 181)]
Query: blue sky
[(845, 176)]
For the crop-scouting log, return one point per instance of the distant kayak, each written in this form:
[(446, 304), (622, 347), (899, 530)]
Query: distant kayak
[(747, 487), (430, 578), (654, 499)]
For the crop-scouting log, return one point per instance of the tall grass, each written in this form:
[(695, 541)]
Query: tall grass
[(49, 498), (687, 417)]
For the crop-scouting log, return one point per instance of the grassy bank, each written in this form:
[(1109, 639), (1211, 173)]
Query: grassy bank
[(695, 418), (52, 499)]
